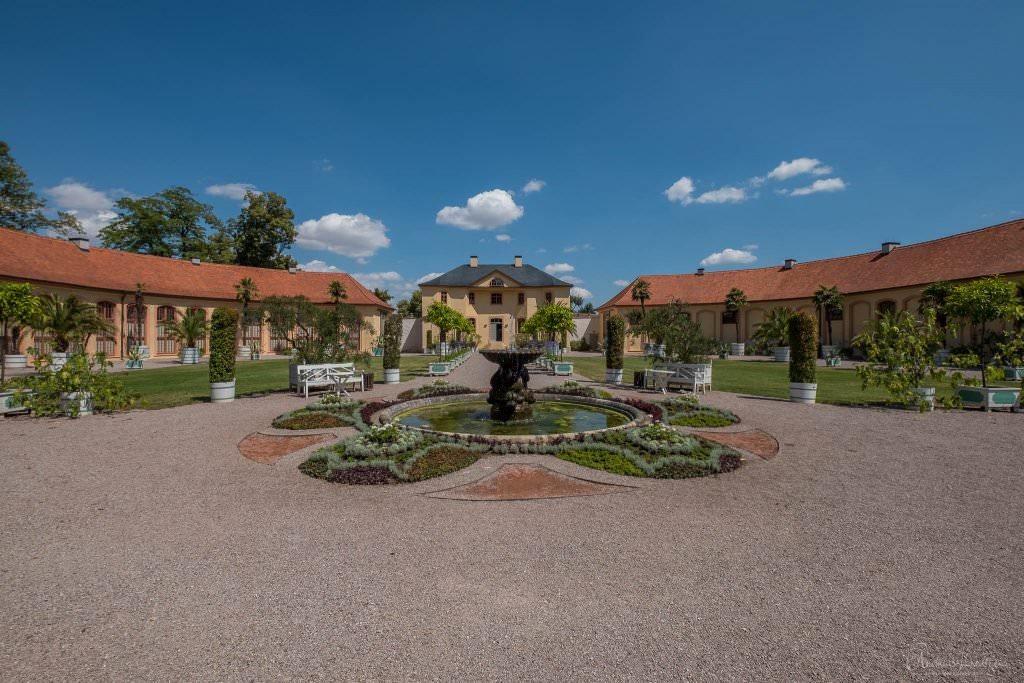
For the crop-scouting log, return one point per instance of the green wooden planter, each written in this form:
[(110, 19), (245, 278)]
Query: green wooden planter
[(989, 398), (1013, 374)]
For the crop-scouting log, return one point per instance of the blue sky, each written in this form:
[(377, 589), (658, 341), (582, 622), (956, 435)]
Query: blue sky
[(658, 130)]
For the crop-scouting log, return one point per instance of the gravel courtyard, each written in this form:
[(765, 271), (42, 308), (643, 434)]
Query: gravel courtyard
[(878, 545)]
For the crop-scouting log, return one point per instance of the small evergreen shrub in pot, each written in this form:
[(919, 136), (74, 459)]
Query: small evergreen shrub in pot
[(222, 355), (803, 350), (616, 347), (900, 350), (391, 339)]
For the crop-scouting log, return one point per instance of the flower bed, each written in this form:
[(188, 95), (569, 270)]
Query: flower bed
[(329, 411), (686, 411), (436, 388)]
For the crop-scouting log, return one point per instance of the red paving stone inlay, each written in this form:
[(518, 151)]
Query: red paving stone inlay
[(267, 449), (521, 481), (754, 441)]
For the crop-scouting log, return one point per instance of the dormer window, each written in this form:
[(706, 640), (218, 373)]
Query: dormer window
[(497, 282)]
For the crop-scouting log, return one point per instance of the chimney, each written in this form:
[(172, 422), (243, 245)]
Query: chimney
[(519, 261), (80, 241), (790, 262), (472, 261), (887, 247), (700, 271), (293, 270), (196, 262)]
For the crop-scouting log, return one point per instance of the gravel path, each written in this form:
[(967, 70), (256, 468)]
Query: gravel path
[(143, 546)]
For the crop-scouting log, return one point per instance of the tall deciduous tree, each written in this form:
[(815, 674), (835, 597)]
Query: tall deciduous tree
[(411, 307), (447, 319), (20, 207), (984, 301), (169, 223), (382, 294), (263, 230)]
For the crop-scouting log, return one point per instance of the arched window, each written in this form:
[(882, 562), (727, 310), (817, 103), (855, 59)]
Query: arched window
[(252, 332), (135, 325), (106, 343), (166, 344), (886, 306), (497, 282)]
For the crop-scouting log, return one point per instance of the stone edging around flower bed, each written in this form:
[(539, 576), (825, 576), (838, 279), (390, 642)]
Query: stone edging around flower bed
[(640, 418)]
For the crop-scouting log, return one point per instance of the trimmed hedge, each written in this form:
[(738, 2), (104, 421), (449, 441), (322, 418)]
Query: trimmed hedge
[(616, 342), (223, 327), (803, 349), (392, 338)]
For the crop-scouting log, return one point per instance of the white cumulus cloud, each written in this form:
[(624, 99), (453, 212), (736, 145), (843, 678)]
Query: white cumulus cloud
[(485, 211), (559, 268), (428, 276), (357, 236), (318, 266), (534, 186), (572, 248), (622, 283), (231, 190), (581, 292), (790, 169), (729, 256), (93, 208), (683, 190), (390, 280), (571, 279), (503, 237), (823, 185)]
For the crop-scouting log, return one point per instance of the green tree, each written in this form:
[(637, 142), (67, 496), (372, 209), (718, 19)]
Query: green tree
[(223, 325), (984, 301), (447, 319), (555, 320), (336, 290), (587, 308), (672, 326), (411, 307), (316, 334), (18, 307), (900, 351), (615, 338), (391, 336), (774, 331), (382, 294), (641, 292), (263, 230), (576, 301), (68, 321), (20, 207), (735, 301), (169, 223), (246, 292), (934, 297), (827, 300)]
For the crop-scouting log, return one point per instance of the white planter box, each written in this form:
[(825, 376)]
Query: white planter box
[(613, 376), (988, 398), (801, 392), (82, 399), (9, 404), (15, 361), (58, 360), (392, 376), (222, 392), (189, 356), (738, 349), (928, 394), (244, 352), (781, 354)]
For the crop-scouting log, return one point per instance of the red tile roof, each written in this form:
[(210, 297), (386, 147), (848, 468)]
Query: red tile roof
[(996, 250), (43, 259)]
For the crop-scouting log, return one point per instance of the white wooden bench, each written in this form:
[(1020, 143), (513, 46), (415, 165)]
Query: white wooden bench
[(337, 375), (695, 377)]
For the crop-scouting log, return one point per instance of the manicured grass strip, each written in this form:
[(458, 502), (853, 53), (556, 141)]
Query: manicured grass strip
[(763, 378), (177, 386)]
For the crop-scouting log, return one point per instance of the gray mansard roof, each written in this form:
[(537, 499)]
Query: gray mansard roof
[(467, 276)]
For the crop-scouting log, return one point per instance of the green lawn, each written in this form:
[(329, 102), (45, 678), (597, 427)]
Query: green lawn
[(175, 386), (761, 378)]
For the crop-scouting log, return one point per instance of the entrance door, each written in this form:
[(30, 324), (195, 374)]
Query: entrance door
[(496, 330)]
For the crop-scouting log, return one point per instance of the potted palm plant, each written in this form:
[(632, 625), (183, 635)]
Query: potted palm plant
[(17, 307), (774, 332), (69, 322), (803, 344), (223, 326), (736, 301), (134, 359), (616, 338), (188, 331), (828, 301), (391, 340), (246, 292)]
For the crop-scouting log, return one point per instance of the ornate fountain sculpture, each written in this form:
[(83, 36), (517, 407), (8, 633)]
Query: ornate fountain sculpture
[(510, 396)]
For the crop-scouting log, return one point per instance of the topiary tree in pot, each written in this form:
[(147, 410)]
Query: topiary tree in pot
[(616, 337), (900, 352), (18, 305), (391, 339), (735, 302), (223, 326), (774, 332), (803, 349), (188, 331)]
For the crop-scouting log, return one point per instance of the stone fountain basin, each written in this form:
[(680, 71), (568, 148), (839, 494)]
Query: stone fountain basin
[(639, 417)]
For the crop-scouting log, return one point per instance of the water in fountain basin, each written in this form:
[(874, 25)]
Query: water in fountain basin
[(549, 417)]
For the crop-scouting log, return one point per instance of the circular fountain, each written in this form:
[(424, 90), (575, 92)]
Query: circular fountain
[(511, 410)]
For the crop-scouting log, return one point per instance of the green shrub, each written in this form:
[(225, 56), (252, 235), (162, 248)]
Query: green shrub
[(803, 349), (81, 374), (223, 326), (606, 461), (363, 474), (704, 417), (316, 465), (391, 337), (315, 419), (616, 342), (682, 468)]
